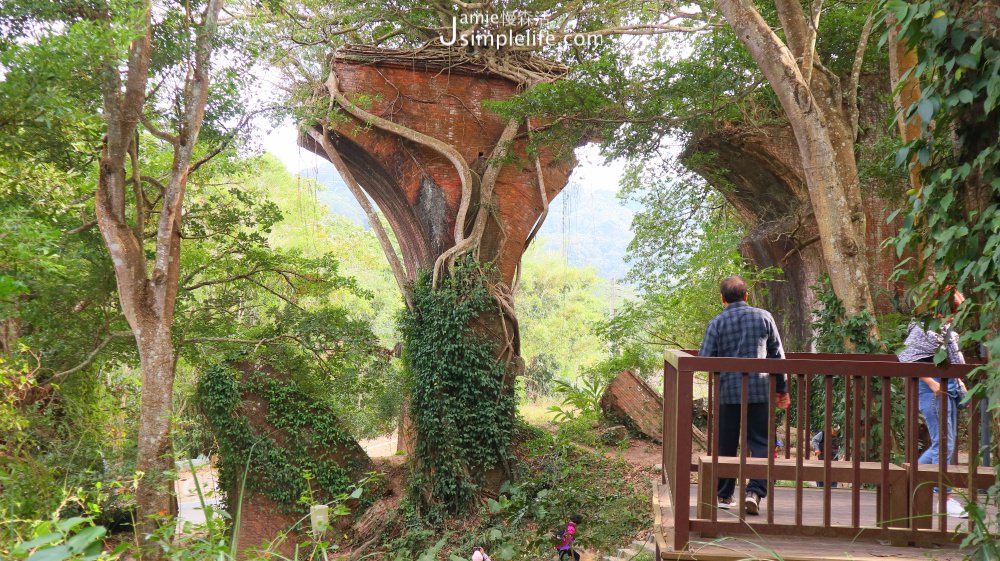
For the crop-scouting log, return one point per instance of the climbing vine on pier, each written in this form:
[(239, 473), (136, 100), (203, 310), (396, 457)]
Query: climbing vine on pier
[(309, 451), (461, 400)]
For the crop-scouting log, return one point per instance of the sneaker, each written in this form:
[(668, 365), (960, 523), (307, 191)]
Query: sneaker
[(725, 503), (955, 509), (752, 502)]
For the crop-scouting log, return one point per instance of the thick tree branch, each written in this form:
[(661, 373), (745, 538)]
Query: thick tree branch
[(166, 268), (155, 131), (140, 195), (83, 227), (855, 78), (798, 248), (796, 27), (229, 279), (809, 50), (87, 361), (122, 113), (544, 197)]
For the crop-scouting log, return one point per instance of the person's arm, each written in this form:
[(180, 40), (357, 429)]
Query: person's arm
[(955, 355), (817, 441), (933, 384), (709, 344)]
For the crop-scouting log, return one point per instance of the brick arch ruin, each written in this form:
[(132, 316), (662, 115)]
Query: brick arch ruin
[(417, 189)]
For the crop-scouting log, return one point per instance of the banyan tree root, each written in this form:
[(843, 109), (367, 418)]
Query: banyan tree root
[(443, 148), (464, 244), (543, 196), (322, 137)]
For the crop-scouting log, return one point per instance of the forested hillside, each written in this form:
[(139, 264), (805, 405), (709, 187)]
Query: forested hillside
[(587, 223)]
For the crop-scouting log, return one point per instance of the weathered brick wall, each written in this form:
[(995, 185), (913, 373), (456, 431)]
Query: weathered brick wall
[(262, 521), (630, 398), (416, 188)]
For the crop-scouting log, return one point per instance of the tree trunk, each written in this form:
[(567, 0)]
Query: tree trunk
[(902, 59), (10, 332), (156, 355), (148, 297), (826, 146)]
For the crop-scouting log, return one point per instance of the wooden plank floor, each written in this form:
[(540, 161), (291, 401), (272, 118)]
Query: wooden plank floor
[(796, 548)]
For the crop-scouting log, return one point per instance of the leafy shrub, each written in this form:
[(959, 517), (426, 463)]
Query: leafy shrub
[(75, 538), (580, 398), (555, 479)]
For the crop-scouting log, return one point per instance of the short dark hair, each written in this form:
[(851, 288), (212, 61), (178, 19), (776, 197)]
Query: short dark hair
[(733, 289), (576, 519)]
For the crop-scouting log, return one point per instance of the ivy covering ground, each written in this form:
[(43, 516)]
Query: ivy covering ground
[(463, 412)]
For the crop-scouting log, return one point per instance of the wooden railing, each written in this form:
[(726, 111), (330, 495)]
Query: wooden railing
[(887, 467)]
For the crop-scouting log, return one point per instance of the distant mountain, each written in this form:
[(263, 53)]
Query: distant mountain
[(591, 227), (336, 196), (586, 222)]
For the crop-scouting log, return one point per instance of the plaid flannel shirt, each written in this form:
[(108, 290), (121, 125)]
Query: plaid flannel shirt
[(743, 331)]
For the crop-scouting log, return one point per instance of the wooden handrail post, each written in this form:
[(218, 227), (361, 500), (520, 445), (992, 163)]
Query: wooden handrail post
[(682, 466), (667, 435)]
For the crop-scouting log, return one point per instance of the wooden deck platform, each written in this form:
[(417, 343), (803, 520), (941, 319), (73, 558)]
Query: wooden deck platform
[(793, 547)]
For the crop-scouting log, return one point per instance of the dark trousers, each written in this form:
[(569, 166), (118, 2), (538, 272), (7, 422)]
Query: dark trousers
[(566, 555), (729, 442)]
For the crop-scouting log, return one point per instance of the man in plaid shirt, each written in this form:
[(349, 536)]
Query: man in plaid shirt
[(745, 332)]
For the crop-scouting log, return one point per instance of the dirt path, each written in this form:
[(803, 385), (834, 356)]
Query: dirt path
[(381, 447)]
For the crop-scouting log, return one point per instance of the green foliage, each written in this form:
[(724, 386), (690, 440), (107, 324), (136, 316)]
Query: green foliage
[(686, 239), (558, 306), (54, 447), (637, 98), (582, 397), (65, 536), (463, 409), (951, 229), (69, 539), (307, 437), (539, 374), (835, 331), (951, 223), (557, 479), (308, 227)]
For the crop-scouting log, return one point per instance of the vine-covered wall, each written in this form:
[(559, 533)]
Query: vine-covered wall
[(290, 443)]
